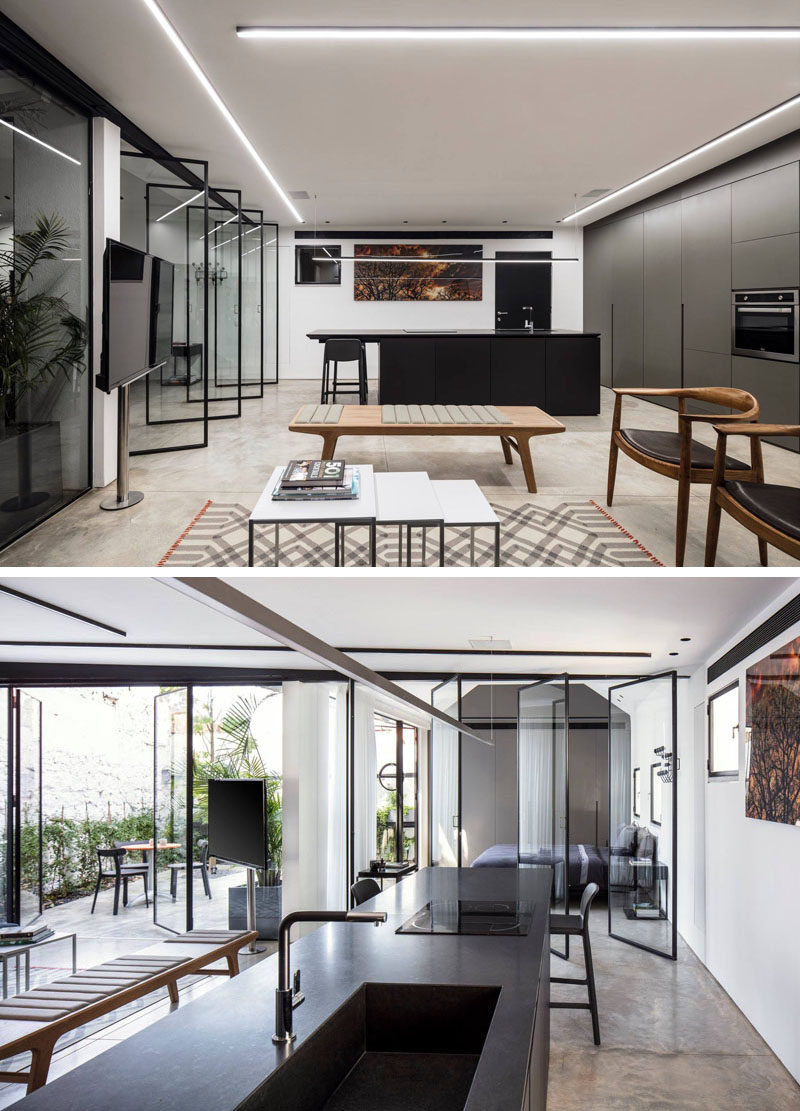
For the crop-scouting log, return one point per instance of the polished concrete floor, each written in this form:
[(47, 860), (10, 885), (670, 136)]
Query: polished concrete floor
[(671, 1038), (242, 453)]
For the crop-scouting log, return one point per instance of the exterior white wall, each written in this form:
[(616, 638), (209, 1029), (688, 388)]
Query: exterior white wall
[(105, 225), (304, 309), (752, 895)]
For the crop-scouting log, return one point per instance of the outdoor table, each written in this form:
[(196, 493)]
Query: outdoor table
[(9, 952), (148, 856)]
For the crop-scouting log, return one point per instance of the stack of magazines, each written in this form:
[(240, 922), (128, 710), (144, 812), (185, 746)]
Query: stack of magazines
[(317, 480), (23, 935)]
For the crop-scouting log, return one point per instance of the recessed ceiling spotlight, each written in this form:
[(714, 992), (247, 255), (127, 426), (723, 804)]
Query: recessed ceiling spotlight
[(684, 639), (793, 102), (673, 653), (194, 66), (504, 221), (516, 34), (444, 221), (405, 221)]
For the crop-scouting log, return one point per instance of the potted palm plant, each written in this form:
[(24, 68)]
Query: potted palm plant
[(40, 340), (236, 756)]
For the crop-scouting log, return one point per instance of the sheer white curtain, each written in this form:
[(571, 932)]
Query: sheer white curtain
[(365, 776), (444, 794), (535, 783), (336, 877)]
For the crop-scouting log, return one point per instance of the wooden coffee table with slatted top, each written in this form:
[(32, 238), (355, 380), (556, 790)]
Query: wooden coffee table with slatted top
[(514, 424)]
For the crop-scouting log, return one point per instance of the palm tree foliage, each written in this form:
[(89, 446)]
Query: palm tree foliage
[(237, 756), (40, 337)]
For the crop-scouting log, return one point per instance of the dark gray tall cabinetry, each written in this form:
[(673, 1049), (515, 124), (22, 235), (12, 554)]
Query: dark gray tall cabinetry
[(658, 281)]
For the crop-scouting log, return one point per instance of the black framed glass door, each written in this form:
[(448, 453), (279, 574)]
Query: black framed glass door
[(172, 810), (543, 794), (445, 778), (643, 806), (27, 794)]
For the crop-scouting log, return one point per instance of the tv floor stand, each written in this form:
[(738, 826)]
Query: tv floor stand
[(124, 497)]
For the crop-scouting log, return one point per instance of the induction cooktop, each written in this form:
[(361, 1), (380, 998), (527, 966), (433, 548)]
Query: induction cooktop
[(471, 916)]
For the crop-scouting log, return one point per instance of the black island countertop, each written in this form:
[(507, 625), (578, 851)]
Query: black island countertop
[(556, 369), (214, 1053)]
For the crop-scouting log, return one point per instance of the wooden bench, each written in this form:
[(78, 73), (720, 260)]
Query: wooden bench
[(35, 1020), (514, 424)]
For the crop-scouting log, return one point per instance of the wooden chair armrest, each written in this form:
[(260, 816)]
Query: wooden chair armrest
[(646, 391), (715, 418), (757, 429)]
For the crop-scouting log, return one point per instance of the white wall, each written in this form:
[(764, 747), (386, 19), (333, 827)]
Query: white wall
[(752, 897), (305, 309)]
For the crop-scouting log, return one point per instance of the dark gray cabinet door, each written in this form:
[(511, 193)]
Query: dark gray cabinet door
[(767, 263), (766, 204), (463, 371), (518, 371), (408, 372), (776, 385), (706, 270), (705, 368), (662, 296), (627, 298), (597, 291)]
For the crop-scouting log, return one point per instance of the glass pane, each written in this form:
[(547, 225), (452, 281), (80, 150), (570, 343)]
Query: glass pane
[(641, 786), (723, 730), (44, 290), (270, 310), (158, 213), (386, 813), (252, 309), (542, 741), (444, 789), (224, 315), (168, 855), (409, 793), (5, 708), (30, 807)]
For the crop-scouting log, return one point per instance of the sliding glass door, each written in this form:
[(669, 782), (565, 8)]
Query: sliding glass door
[(643, 799), (445, 778), (28, 810), (172, 822), (543, 798)]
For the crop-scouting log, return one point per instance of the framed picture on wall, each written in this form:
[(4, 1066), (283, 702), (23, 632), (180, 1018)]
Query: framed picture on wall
[(637, 792), (655, 795), (773, 737)]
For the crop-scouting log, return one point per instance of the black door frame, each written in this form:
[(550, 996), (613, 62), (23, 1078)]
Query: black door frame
[(457, 680), (13, 906), (509, 257), (675, 766)]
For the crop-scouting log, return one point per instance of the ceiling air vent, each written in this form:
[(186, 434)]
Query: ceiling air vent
[(489, 644), (302, 195), (591, 193)]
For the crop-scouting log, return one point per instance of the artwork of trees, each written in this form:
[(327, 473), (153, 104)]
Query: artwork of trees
[(445, 279), (773, 728)]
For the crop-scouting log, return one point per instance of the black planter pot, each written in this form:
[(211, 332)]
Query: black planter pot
[(269, 901), (31, 475)]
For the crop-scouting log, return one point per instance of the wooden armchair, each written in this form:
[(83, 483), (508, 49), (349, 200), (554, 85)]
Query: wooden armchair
[(676, 454), (772, 512)]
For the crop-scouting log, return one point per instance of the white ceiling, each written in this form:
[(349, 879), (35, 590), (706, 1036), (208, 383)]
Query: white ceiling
[(555, 613), (473, 134)]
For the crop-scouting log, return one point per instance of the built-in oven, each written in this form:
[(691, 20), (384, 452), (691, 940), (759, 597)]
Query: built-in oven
[(765, 324)]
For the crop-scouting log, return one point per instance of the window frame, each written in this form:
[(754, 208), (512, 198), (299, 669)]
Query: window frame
[(299, 250), (401, 776), (636, 790), (730, 773)]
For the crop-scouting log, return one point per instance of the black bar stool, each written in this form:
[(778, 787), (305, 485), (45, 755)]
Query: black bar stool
[(563, 924), (343, 351), (364, 889)]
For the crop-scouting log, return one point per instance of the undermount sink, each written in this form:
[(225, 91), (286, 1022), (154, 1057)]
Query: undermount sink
[(393, 1046)]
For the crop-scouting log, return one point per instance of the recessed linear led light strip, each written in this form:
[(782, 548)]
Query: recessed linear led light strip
[(794, 102), (183, 204), (441, 258), (216, 246), (39, 142), (194, 66), (517, 34), (217, 228)]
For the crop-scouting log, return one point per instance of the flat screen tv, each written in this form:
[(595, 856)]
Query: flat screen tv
[(237, 821), (137, 314)]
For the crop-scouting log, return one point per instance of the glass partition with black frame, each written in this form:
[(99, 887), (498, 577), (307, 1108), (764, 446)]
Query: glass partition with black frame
[(45, 275), (159, 214), (444, 778), (642, 866), (172, 810), (222, 274), (259, 308), (542, 792), (28, 808)]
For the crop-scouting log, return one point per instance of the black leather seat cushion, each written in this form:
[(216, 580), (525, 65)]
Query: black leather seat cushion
[(778, 506), (666, 446)]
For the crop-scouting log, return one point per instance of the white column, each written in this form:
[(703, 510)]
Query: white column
[(105, 225)]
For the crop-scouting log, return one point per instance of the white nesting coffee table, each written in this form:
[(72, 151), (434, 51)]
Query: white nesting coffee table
[(14, 952), (357, 511), (464, 506)]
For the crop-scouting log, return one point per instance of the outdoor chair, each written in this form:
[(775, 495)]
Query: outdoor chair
[(180, 866), (110, 867)]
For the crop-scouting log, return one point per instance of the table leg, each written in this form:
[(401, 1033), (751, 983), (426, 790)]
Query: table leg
[(74, 953), (399, 545), (441, 545), (277, 543), (506, 449), (28, 970), (497, 544), (344, 535), (524, 446), (472, 545), (5, 977), (329, 439), (373, 543), (408, 545), (424, 538), (250, 544), (335, 543)]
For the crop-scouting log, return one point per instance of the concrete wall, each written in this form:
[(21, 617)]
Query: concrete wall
[(306, 308)]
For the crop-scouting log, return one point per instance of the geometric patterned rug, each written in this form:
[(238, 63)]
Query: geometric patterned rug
[(572, 534)]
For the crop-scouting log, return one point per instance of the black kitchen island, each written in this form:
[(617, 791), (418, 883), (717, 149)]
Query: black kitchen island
[(479, 1002), (559, 371)]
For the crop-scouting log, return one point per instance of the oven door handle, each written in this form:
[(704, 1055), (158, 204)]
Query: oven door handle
[(787, 309)]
